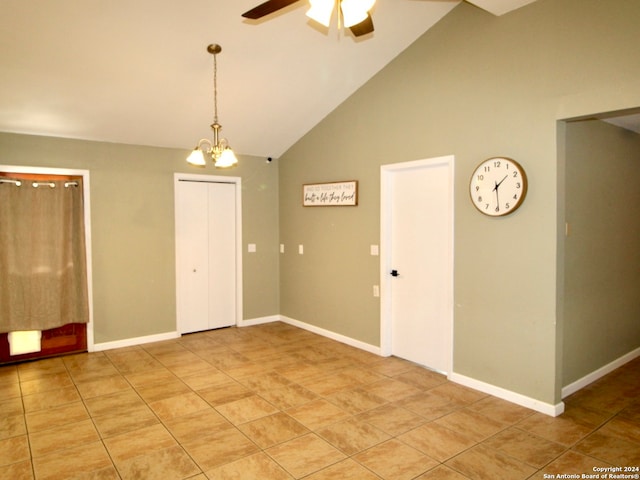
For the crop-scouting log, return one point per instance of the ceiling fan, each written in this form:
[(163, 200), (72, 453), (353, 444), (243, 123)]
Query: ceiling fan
[(353, 13)]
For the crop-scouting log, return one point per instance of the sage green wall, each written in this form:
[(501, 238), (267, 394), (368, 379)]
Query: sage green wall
[(132, 220), (602, 258), (474, 86)]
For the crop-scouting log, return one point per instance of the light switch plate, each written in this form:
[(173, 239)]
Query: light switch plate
[(375, 251), (251, 248)]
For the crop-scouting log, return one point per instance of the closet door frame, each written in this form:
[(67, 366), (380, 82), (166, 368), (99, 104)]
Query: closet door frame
[(237, 182), (86, 198)]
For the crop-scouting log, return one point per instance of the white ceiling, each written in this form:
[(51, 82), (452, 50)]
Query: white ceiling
[(138, 72)]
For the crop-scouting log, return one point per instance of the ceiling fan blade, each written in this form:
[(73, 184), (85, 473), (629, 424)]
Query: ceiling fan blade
[(266, 8), (362, 28)]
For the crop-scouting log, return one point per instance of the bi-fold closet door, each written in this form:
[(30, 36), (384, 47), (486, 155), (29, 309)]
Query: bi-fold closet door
[(205, 255)]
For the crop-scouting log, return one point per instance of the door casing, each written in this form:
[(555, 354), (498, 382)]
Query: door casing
[(237, 181)]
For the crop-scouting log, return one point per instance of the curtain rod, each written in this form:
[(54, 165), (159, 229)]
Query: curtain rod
[(38, 184)]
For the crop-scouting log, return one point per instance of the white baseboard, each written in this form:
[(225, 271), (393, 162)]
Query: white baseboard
[(332, 335), (508, 395), (599, 373), (258, 321), (130, 342)]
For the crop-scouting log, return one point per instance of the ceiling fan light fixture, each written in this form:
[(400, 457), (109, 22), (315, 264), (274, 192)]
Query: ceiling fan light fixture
[(355, 11), (321, 11)]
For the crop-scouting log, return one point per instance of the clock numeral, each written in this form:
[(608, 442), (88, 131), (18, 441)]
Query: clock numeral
[(497, 208), (518, 185), (507, 206), (477, 188), (480, 177), (486, 206), (487, 168), (515, 197), (515, 174), (480, 199), (497, 164)]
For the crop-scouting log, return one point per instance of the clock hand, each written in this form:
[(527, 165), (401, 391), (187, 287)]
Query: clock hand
[(498, 184)]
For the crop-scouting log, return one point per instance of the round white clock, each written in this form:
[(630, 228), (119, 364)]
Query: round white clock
[(498, 186)]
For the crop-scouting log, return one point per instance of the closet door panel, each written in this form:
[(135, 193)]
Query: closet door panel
[(192, 238), (222, 255)]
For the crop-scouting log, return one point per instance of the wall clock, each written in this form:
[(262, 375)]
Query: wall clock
[(498, 186)]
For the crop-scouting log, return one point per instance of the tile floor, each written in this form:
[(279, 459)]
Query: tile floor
[(276, 402)]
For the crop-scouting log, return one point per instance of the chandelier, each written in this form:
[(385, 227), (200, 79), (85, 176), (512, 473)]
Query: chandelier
[(353, 11), (218, 149)]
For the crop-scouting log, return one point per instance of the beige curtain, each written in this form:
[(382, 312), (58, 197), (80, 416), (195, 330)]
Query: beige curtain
[(43, 274)]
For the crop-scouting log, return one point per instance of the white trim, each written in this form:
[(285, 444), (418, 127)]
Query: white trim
[(216, 179), (508, 395), (599, 373), (258, 321), (131, 342), (332, 335), (86, 194), (385, 247)]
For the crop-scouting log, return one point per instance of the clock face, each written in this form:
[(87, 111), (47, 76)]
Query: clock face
[(498, 186)]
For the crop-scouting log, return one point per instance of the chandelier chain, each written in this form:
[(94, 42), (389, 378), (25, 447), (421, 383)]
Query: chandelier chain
[(215, 89)]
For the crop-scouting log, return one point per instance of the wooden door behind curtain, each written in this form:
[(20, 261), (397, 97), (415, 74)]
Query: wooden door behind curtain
[(68, 338)]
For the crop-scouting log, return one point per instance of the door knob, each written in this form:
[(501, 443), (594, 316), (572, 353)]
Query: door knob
[(394, 273)]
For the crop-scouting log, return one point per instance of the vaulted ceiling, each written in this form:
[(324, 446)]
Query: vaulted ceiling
[(138, 71)]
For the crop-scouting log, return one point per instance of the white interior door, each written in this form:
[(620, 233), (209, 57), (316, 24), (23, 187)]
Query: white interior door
[(206, 255), (418, 261)]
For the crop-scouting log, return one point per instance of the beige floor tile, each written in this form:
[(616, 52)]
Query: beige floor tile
[(124, 421), (394, 460), (572, 463), (392, 419), (167, 463), (317, 414), (246, 409), (471, 424), (562, 429), (421, 378), (253, 467), (12, 426), (225, 393), (62, 437), (292, 395), (500, 410), (219, 448), (457, 394), (138, 442), (184, 404), (391, 390), (352, 436), (442, 472), (56, 417), (210, 377), (48, 366), (265, 382), (391, 366), (437, 441), (301, 371), (531, 449), (10, 390), (344, 470), (483, 463), (356, 401), (429, 406), (330, 384), (197, 425), (610, 448), (159, 391), (103, 386), (113, 403), (73, 463), (11, 406), (17, 471), (151, 377), (14, 449), (305, 455), (273, 429), (45, 383), (52, 399)]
